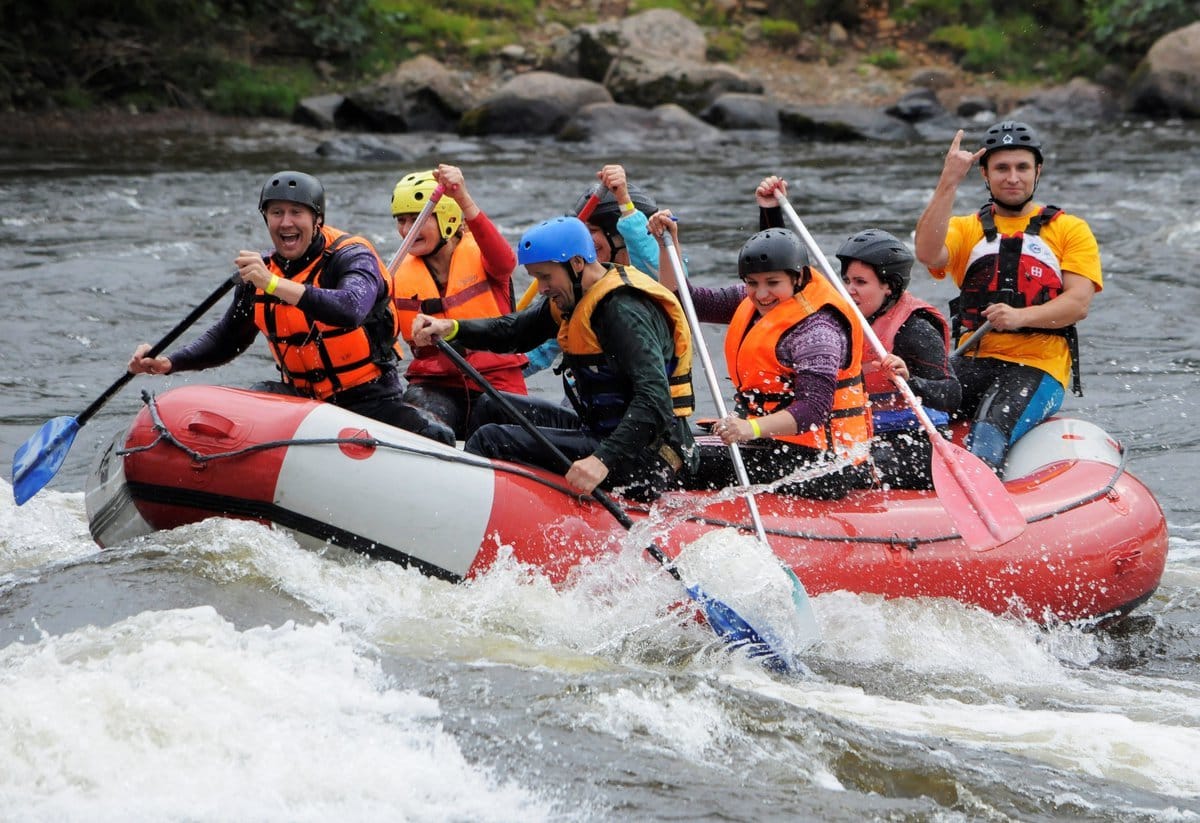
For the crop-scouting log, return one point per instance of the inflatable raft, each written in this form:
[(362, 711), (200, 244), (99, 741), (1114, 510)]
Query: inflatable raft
[(1093, 550)]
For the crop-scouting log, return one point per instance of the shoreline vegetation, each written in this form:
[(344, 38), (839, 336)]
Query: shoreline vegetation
[(107, 67)]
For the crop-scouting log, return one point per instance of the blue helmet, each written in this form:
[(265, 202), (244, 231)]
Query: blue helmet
[(556, 240)]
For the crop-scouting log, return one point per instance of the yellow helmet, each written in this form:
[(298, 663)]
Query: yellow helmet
[(412, 193)]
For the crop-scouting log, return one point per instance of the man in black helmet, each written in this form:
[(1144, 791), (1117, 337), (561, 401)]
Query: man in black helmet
[(322, 300), (1028, 270)]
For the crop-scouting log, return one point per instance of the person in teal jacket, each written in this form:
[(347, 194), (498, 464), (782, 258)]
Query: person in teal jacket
[(619, 228)]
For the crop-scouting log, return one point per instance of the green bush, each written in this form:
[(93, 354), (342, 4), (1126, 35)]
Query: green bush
[(724, 46), (1125, 29), (886, 59), (781, 33), (271, 92)]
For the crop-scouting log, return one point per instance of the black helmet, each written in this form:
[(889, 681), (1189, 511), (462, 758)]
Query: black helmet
[(891, 259), (1010, 134), (608, 211), (772, 250), (296, 187)]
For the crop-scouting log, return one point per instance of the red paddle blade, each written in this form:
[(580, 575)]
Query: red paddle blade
[(975, 498)]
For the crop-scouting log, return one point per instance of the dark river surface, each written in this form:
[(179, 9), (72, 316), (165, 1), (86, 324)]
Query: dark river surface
[(220, 672)]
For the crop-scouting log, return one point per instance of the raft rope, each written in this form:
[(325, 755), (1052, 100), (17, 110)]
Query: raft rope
[(165, 435)]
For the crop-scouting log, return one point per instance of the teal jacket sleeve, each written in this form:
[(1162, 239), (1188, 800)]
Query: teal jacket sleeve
[(642, 246)]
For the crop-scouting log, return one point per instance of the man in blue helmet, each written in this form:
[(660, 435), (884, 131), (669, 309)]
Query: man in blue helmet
[(627, 355), (1026, 269)]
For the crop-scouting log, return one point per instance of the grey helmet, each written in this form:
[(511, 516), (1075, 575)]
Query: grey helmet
[(295, 187)]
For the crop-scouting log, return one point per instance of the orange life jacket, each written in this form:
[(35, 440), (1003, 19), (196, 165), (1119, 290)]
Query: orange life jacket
[(469, 295), (319, 359), (764, 385)]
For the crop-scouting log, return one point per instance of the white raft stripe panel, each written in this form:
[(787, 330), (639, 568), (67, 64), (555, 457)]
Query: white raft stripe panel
[(431, 508)]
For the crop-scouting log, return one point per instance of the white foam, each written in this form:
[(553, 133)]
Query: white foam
[(171, 715)]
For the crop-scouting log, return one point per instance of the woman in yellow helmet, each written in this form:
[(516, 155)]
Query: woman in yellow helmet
[(459, 267)]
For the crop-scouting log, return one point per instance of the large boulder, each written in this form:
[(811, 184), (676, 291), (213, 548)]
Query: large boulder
[(652, 81), (844, 124), (623, 126), (591, 50), (1167, 82), (538, 102), (421, 94), (1077, 101), (651, 58)]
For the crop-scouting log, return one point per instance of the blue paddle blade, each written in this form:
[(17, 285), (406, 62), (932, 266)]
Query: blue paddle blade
[(739, 634), (39, 458)]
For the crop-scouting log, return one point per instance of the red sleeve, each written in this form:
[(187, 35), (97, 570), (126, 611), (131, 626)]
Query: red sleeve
[(498, 258)]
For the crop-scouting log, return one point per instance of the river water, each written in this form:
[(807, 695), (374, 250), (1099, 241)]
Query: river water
[(220, 672)]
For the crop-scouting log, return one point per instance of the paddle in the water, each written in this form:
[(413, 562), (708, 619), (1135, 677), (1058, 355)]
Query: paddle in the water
[(805, 622), (765, 643), (975, 498), (40, 457)]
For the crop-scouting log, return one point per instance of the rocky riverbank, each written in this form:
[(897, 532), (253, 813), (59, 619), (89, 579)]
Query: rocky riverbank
[(849, 77), (849, 80)]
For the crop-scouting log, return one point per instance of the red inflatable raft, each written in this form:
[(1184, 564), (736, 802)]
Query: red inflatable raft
[(1094, 548)]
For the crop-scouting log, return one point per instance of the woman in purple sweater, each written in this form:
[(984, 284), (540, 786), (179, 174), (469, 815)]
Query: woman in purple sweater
[(794, 351)]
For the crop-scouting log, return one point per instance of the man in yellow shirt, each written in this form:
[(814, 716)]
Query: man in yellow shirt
[(1027, 269)]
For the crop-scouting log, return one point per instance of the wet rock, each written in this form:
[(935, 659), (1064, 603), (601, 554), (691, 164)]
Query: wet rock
[(844, 124), (537, 102), (620, 124), (737, 110), (917, 105)]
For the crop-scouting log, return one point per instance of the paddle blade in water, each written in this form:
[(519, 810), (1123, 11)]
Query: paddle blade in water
[(39, 458), (975, 498), (752, 601)]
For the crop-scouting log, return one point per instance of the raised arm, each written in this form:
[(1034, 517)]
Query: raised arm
[(930, 241)]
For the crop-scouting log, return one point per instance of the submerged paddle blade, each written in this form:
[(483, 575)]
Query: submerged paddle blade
[(39, 458), (751, 601), (975, 498)]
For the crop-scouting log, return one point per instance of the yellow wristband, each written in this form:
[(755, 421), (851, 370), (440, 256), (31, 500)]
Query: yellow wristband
[(271, 284), (628, 208), (755, 428), (453, 332)]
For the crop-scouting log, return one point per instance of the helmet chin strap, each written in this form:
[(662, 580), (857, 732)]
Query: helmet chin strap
[(613, 248), (576, 278)]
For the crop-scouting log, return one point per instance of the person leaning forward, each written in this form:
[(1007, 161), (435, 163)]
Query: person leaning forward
[(627, 355), (323, 301), (1027, 269)]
